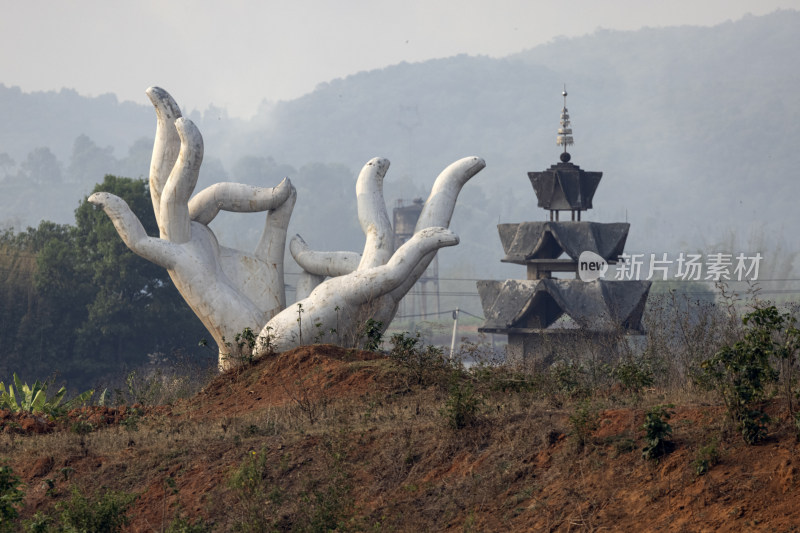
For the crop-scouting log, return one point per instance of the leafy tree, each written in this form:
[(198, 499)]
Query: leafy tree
[(133, 296), (41, 335), (90, 307), (16, 290)]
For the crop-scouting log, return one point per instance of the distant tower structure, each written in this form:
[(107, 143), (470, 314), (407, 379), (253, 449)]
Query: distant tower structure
[(529, 311), (426, 291)]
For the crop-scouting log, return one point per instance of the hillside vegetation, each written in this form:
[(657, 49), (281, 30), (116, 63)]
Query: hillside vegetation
[(323, 438)]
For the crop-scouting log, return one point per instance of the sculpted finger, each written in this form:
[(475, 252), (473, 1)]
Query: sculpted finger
[(339, 302), (319, 265), (237, 197), (132, 232), (439, 207), (271, 247), (175, 222), (364, 285), (167, 143), (329, 264), (372, 215)]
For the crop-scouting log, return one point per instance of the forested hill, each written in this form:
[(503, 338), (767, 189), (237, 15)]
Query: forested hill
[(694, 128), (55, 119)]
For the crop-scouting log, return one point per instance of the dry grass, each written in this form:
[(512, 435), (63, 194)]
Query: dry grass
[(349, 440)]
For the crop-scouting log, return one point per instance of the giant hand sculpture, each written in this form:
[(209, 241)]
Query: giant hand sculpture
[(436, 212), (232, 290)]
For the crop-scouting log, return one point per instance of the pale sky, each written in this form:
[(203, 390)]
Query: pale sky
[(237, 53)]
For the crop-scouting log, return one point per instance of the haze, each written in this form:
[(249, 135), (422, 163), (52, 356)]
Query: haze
[(245, 54)]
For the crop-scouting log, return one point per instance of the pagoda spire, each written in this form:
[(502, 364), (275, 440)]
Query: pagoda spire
[(565, 186), (564, 137)]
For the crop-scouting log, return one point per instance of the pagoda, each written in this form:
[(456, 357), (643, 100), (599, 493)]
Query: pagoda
[(540, 309)]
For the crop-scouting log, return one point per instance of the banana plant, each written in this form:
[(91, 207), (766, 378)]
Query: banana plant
[(33, 399)]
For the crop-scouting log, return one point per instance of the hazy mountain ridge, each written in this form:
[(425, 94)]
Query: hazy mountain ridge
[(708, 109), (55, 119), (694, 129)]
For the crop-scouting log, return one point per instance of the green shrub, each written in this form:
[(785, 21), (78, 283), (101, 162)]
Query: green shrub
[(567, 377), (106, 514), (256, 497), (10, 497), (705, 459), (247, 342), (262, 505), (741, 372), (753, 426), (584, 421), (634, 375), (776, 332), (326, 500), (40, 523), (657, 432), (324, 509), (574, 379), (183, 525), (462, 406), (426, 364), (373, 331)]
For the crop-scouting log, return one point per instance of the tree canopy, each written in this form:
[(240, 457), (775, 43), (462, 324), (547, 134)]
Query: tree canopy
[(77, 302)]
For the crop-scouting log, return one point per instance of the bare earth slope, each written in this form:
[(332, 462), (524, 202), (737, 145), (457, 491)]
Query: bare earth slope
[(348, 440)]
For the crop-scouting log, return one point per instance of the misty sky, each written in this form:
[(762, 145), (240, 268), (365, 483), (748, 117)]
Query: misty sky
[(238, 53)]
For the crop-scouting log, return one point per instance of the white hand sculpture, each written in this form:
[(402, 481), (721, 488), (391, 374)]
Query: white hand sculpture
[(338, 308), (383, 297), (228, 289), (231, 290)]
